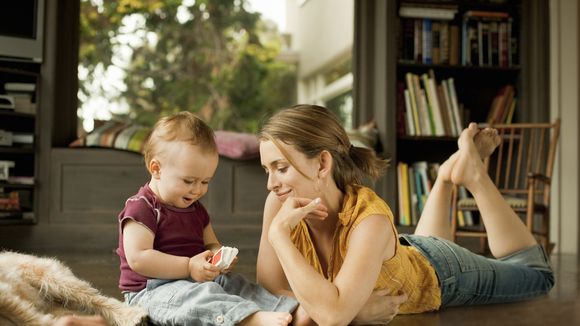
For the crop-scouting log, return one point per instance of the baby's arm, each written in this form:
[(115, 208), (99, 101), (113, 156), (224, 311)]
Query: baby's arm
[(143, 259), (210, 239)]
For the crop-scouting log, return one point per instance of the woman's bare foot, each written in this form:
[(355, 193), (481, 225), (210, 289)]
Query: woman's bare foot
[(301, 318), (267, 318), (485, 140), (468, 167), (445, 169)]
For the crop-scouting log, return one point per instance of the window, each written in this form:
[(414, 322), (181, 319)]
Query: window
[(142, 60), (332, 89)]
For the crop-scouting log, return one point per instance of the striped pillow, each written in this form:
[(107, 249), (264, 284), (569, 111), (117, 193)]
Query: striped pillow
[(131, 137), (114, 134)]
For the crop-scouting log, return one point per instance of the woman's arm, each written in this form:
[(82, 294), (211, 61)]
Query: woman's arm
[(339, 302), (269, 272)]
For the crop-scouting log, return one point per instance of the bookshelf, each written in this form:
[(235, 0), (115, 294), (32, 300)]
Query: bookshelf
[(388, 50), (18, 150)]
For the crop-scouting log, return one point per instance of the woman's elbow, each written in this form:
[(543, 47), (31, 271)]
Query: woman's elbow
[(333, 317)]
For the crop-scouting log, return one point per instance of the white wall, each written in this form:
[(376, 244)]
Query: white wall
[(564, 104), (322, 31)]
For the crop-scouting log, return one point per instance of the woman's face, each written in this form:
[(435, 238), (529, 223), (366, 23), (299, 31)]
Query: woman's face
[(284, 179)]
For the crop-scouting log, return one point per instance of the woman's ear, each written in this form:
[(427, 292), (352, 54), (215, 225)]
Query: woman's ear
[(154, 168), (325, 164)]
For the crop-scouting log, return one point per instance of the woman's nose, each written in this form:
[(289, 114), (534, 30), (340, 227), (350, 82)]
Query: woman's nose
[(272, 182)]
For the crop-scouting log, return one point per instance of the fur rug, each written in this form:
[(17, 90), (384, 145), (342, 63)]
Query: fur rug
[(36, 291)]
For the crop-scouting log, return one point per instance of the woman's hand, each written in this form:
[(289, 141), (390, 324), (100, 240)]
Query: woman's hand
[(294, 210), (380, 308), (200, 269)]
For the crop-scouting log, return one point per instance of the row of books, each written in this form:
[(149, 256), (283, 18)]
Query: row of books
[(428, 108), (464, 218), (430, 34), (426, 35), (503, 106), (429, 42), (414, 185), (19, 97), (487, 39)]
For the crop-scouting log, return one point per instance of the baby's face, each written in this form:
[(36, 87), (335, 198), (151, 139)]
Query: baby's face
[(185, 173)]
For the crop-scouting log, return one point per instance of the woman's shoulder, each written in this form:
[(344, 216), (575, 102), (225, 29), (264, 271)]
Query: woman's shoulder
[(364, 202)]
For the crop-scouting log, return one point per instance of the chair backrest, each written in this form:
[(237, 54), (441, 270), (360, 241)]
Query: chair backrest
[(526, 148)]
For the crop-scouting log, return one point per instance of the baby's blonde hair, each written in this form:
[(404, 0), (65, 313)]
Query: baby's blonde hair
[(179, 127)]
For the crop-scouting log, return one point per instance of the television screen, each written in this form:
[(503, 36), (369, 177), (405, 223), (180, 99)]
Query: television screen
[(19, 20), (21, 29)]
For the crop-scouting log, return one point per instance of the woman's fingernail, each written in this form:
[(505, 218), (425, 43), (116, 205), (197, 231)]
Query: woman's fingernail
[(317, 201)]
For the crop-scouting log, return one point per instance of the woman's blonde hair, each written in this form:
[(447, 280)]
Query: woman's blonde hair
[(179, 127), (312, 129)]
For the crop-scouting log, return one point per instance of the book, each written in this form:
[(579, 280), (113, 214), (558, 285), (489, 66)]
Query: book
[(425, 11), (427, 41), (224, 257), (400, 218), (433, 106), (454, 45), (20, 87), (413, 104)]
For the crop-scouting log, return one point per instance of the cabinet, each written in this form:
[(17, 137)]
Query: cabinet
[(384, 57), (18, 146)]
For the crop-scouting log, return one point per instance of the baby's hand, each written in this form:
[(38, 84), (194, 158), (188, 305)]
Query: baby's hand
[(200, 269)]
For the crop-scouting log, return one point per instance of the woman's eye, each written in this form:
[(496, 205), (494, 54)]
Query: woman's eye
[(283, 170)]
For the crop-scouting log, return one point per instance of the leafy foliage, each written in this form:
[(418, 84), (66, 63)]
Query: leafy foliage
[(211, 57)]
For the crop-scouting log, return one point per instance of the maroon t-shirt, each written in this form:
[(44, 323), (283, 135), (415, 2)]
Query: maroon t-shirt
[(177, 231)]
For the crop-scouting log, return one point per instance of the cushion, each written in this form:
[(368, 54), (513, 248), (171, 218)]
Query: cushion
[(132, 137), (237, 145)]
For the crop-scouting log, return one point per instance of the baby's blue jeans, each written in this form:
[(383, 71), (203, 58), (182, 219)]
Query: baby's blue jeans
[(227, 300), (469, 279)]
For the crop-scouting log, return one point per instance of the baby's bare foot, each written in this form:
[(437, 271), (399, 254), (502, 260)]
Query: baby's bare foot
[(267, 318), (486, 141)]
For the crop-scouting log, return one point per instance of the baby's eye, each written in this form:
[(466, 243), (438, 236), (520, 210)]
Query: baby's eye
[(205, 182), (188, 182)]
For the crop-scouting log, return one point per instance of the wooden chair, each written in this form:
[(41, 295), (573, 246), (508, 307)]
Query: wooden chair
[(521, 167)]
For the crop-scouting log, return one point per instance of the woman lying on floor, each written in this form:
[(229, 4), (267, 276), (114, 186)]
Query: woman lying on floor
[(319, 221)]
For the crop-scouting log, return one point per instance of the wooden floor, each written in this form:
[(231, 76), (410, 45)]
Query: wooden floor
[(560, 307)]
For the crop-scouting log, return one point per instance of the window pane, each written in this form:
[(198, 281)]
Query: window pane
[(142, 60)]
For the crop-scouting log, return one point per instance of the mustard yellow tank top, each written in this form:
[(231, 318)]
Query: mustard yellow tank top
[(408, 270)]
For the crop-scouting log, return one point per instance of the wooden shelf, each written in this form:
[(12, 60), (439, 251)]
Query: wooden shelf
[(16, 185), (17, 150), (11, 113), (16, 222)]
